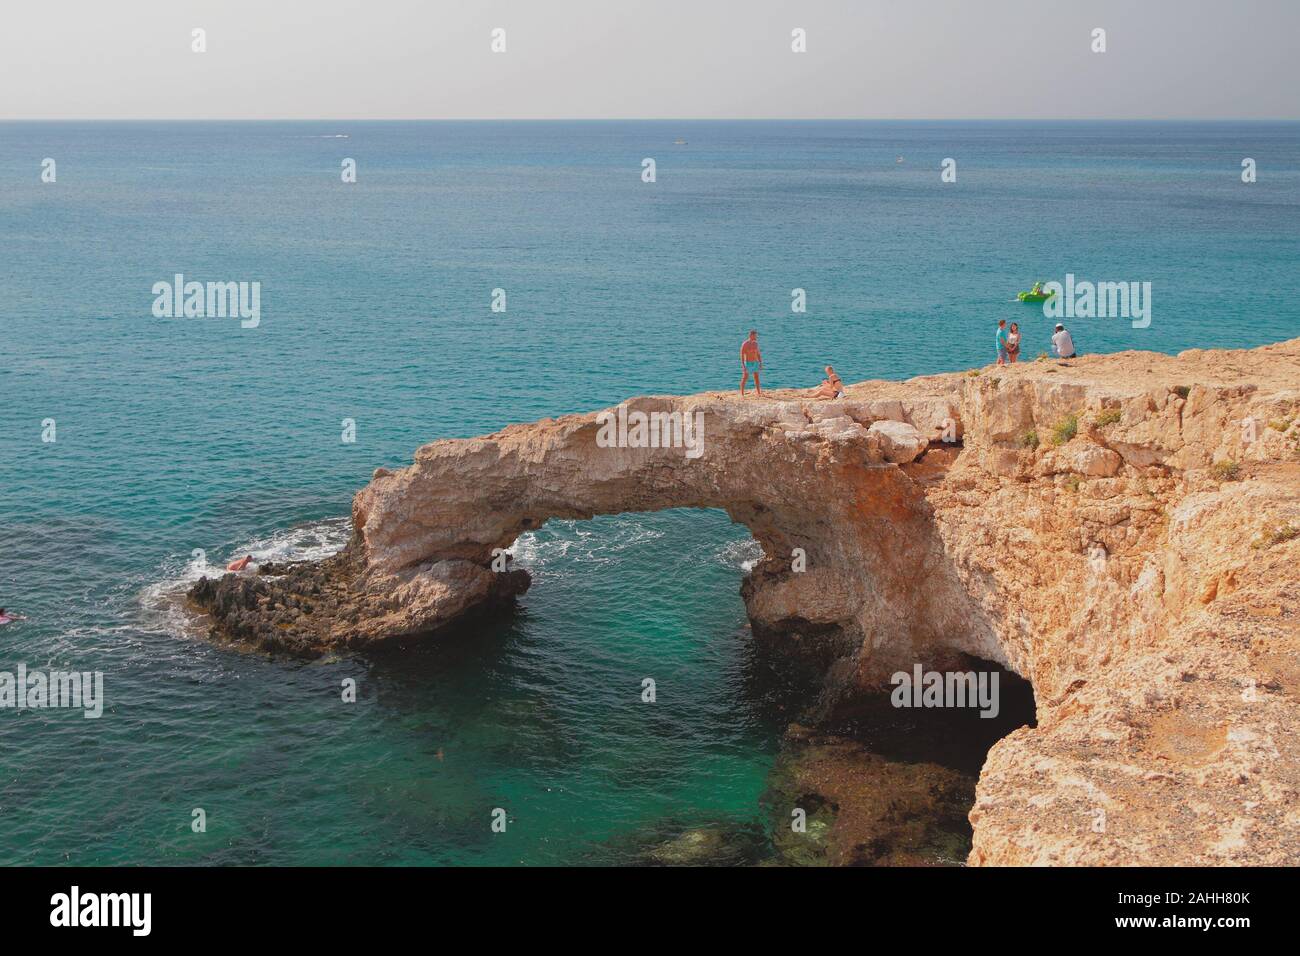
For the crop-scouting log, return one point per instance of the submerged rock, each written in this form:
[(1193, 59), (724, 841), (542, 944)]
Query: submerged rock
[(702, 847), (860, 809), (672, 842)]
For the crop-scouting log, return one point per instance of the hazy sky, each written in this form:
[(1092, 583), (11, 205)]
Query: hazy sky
[(382, 59)]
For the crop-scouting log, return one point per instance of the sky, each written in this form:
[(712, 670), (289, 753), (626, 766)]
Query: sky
[(679, 59)]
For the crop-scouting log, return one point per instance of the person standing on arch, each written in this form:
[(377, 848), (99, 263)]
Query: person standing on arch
[(751, 363)]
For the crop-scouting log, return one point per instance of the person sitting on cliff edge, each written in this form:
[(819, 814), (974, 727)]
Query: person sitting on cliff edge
[(751, 363), (1062, 344), (831, 386)]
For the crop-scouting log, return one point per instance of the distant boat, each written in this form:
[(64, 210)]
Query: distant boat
[(679, 142), (1032, 296), (899, 160)]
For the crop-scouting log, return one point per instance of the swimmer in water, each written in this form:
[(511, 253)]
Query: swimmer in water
[(239, 565), (6, 617)]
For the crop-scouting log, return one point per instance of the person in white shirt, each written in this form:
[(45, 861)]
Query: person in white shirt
[(1062, 343)]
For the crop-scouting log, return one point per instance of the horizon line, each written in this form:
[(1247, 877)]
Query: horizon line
[(649, 119)]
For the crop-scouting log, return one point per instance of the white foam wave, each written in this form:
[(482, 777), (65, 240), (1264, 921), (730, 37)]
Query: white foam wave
[(566, 543), (164, 600), (574, 542), (743, 554), (311, 542)]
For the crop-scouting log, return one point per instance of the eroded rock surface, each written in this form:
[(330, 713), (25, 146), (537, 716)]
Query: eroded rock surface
[(1120, 530)]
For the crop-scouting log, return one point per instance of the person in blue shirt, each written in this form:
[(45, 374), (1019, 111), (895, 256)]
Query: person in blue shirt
[(1002, 341)]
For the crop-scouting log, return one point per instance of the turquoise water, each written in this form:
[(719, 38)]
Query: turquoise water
[(182, 434)]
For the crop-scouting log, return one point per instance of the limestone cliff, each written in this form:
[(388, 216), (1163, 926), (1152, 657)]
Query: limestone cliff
[(1121, 530)]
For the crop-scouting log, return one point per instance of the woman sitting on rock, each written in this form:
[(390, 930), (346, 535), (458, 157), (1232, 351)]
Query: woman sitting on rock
[(831, 386)]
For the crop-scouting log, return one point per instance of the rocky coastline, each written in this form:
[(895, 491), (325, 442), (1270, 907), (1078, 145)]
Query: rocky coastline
[(1121, 531)]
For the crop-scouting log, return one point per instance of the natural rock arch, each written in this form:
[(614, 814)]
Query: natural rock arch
[(825, 483)]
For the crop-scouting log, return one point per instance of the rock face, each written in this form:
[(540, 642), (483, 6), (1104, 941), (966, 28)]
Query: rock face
[(1121, 530)]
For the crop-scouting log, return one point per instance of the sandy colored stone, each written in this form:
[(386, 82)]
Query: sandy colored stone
[(899, 441)]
